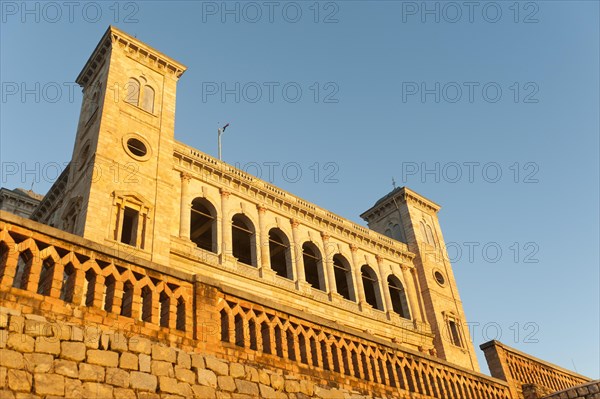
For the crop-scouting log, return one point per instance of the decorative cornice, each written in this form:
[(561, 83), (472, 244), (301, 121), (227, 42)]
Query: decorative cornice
[(404, 195), (153, 58)]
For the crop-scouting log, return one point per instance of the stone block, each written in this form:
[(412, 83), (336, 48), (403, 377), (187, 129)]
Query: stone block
[(118, 342), (73, 388), (168, 385), (160, 368), (185, 375), (128, 361), (20, 342), (184, 360), (143, 381), (207, 378), (19, 380), (226, 383), (198, 361), (117, 377), (91, 372), (38, 362), (246, 387), (203, 392), (164, 353), (94, 390), (49, 345), (103, 358), (11, 359), (237, 370), (49, 384), (145, 363), (123, 393), (138, 344), (216, 365), (67, 368), (73, 351)]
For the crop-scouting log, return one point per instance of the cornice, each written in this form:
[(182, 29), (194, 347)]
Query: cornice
[(152, 57), (405, 195), (213, 171)]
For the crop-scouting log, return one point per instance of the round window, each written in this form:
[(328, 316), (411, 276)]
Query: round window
[(439, 277), (136, 147)]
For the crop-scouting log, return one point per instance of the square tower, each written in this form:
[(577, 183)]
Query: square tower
[(411, 218)]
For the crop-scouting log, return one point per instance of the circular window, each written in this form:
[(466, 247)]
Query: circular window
[(137, 147), (439, 277)]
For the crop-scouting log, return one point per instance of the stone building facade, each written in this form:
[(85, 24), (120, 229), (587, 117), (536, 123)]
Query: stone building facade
[(233, 286), (19, 201)]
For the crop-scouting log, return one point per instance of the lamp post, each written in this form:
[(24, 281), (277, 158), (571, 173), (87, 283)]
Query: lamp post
[(220, 132)]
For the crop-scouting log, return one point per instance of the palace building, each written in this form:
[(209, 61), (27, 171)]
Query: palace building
[(186, 277)]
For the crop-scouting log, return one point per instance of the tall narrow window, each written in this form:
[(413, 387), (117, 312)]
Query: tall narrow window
[(127, 302), (243, 241), (343, 277), (165, 309), (180, 325), (203, 228), (146, 311), (3, 257), (46, 277), (279, 251), (224, 326), (90, 288), (109, 293), (133, 91), (454, 332), (129, 228), (398, 297), (148, 99), (23, 269), (371, 287), (313, 266), (68, 283)]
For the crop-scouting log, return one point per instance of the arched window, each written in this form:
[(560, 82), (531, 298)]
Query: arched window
[(127, 302), (279, 251), (180, 324), (427, 233), (89, 288), (146, 310), (398, 233), (109, 293), (313, 266), (203, 228), (243, 239), (371, 287), (164, 303), (343, 277), (148, 99), (46, 277), (23, 269), (133, 91), (68, 283), (398, 297)]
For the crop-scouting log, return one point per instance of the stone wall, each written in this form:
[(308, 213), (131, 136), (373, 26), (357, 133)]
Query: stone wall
[(590, 390)]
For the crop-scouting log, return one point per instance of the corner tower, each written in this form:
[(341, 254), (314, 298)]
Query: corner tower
[(411, 218), (122, 159)]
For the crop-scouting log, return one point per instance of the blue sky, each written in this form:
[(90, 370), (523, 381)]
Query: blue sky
[(491, 111)]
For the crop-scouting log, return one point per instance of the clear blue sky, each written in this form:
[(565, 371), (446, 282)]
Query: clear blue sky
[(361, 119)]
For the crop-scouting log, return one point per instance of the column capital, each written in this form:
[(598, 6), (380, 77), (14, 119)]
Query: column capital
[(185, 176), (224, 193), (261, 209), (295, 223), (379, 259), (353, 248), (405, 267), (325, 236)]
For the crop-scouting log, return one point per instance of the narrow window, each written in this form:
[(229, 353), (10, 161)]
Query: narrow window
[(278, 341), (242, 236), (239, 330), (335, 359), (313, 351), (90, 288), (355, 366), (146, 313), (325, 355), (127, 302), (454, 333), (343, 277), (180, 325), (302, 347), (290, 345), (371, 287), (224, 326), (46, 276), (203, 229), (148, 99), (3, 257), (265, 336), (133, 91), (391, 381), (109, 293), (279, 251), (23, 269), (252, 333), (398, 233), (398, 297), (129, 228), (165, 309), (345, 360), (68, 283), (313, 266)]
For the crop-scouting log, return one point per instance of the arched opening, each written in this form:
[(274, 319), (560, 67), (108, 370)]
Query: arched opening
[(224, 326), (252, 334), (279, 252), (164, 303), (398, 233), (243, 239), (265, 337), (46, 277), (313, 265), (146, 311), (239, 330), (148, 99), (133, 91), (23, 269), (3, 257), (343, 277), (109, 293), (127, 302), (180, 325), (398, 297), (203, 225), (68, 283), (371, 287), (90, 288)]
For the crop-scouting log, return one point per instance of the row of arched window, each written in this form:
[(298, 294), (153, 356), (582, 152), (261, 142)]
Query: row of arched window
[(140, 94), (203, 232)]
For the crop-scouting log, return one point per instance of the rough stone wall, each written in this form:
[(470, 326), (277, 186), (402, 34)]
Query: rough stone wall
[(586, 391)]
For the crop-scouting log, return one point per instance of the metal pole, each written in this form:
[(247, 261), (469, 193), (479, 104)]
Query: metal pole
[(219, 135)]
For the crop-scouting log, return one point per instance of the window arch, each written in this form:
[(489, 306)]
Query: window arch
[(427, 233), (343, 277), (279, 252), (24, 264), (371, 287), (398, 233), (243, 239), (313, 265), (398, 297), (148, 99), (132, 88), (203, 225)]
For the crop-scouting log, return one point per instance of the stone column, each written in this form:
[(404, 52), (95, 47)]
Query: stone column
[(385, 294), (297, 258), (328, 264), (185, 207), (263, 236), (226, 245), (358, 285), (411, 291)]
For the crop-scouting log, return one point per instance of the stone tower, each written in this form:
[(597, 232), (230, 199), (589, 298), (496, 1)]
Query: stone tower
[(410, 218), (123, 149)]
